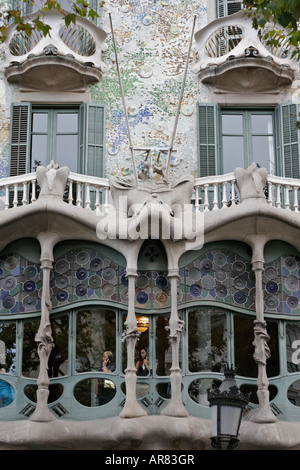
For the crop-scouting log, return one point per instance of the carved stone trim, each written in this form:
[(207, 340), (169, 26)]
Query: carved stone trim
[(247, 75)]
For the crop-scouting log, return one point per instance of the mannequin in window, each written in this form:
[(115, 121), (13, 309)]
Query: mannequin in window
[(142, 366)]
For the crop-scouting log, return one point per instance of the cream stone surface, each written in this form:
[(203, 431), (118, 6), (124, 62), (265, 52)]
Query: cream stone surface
[(144, 433)]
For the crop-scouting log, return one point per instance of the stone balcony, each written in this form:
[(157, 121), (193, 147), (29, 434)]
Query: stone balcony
[(209, 193), (234, 206), (71, 59), (235, 58)]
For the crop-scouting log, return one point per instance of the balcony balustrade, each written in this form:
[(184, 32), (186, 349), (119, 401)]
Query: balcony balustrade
[(91, 193)]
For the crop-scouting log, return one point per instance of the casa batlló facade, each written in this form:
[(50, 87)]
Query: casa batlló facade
[(149, 207)]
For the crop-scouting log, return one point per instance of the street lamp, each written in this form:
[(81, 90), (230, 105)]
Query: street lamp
[(227, 405)]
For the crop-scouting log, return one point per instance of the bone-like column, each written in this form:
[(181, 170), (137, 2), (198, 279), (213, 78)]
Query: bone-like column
[(262, 351), (175, 406), (44, 335), (132, 408)]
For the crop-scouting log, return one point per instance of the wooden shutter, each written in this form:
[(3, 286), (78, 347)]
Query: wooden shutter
[(208, 139), (228, 7), (287, 140), (20, 139), (92, 139), (24, 6)]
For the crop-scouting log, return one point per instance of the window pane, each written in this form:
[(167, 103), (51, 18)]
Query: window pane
[(55, 392), (232, 124), (198, 389), (66, 151), (207, 340), (67, 122), (40, 122), (7, 394), (163, 347), (142, 353), (39, 150), (58, 360), (31, 362), (7, 347), (244, 349), (263, 151), (88, 392), (262, 124), (293, 393), (233, 153), (96, 334)]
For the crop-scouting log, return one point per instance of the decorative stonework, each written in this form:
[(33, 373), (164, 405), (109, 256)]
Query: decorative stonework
[(68, 61), (52, 180), (251, 182), (234, 58)]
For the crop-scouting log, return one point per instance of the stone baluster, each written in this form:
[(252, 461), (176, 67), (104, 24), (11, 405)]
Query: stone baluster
[(175, 406), (44, 335), (132, 408)]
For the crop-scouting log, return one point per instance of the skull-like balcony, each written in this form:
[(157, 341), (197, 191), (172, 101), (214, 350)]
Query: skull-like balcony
[(235, 58), (69, 60)]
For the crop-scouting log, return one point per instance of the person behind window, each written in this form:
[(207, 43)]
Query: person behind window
[(142, 366), (105, 389), (108, 364)]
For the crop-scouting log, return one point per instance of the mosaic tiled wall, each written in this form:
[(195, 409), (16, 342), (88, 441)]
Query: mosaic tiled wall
[(20, 285), (78, 275), (152, 38), (217, 276), (282, 285), (225, 277)]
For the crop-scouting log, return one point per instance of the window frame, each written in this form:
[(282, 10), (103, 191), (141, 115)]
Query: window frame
[(52, 132), (286, 138), (248, 134), (91, 142)]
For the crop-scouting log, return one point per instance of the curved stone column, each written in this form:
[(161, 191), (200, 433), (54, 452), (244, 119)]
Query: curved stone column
[(44, 335), (132, 409), (262, 351), (175, 406)]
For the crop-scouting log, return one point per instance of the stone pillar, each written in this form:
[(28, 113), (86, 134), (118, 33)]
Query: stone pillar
[(132, 409), (262, 351), (175, 406), (44, 334)]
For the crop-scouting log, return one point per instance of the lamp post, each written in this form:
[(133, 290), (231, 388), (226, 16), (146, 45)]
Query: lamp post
[(227, 405)]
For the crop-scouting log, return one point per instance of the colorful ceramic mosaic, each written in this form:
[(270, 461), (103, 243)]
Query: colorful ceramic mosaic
[(219, 276), (21, 285), (281, 285), (86, 275)]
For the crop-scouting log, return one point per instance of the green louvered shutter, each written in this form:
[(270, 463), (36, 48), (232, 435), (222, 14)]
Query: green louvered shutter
[(92, 139), (228, 7), (20, 139), (287, 142), (208, 139), (25, 7)]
